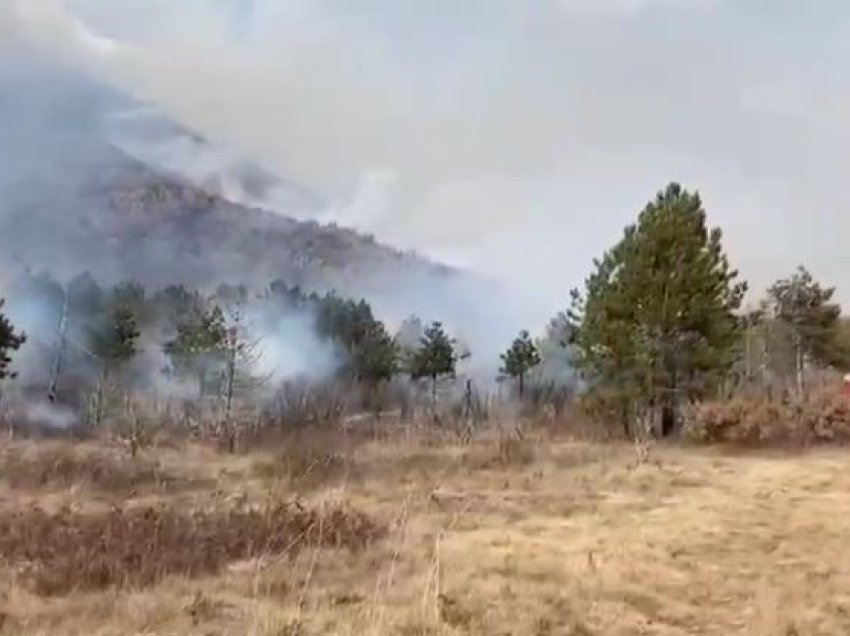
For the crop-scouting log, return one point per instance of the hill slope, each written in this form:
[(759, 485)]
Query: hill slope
[(74, 197)]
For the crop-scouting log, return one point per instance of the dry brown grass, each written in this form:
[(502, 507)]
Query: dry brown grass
[(60, 553), (539, 535), (60, 465)]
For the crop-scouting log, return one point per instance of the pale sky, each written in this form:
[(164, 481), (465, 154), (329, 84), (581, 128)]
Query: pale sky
[(513, 136)]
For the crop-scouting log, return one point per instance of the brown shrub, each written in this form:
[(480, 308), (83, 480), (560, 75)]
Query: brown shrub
[(133, 547), (822, 418), (312, 457), (64, 465)]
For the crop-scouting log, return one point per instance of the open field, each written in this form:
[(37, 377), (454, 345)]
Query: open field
[(411, 534)]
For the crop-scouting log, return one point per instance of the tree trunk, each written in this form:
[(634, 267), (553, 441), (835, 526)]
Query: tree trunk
[(98, 399), (434, 397), (231, 372), (60, 350), (668, 419), (521, 386), (798, 346), (624, 417)]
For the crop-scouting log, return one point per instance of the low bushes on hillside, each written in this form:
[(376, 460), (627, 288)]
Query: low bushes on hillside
[(822, 418)]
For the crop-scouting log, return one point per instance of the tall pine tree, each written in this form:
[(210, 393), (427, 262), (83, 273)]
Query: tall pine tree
[(656, 322)]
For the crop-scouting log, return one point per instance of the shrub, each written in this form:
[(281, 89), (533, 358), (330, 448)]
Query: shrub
[(820, 419)]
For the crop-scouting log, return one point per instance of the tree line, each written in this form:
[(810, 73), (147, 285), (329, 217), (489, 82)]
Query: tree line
[(660, 322), (213, 341)]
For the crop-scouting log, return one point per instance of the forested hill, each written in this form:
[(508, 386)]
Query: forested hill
[(73, 199)]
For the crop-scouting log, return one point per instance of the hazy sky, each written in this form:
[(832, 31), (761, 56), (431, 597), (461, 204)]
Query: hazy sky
[(515, 136)]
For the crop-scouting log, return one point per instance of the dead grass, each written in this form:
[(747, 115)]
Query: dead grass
[(507, 535), (61, 465), (60, 553)]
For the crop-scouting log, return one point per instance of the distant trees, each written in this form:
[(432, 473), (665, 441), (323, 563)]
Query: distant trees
[(115, 339), (657, 320), (519, 359), (435, 357), (796, 326), (10, 341), (199, 344), (805, 307), (657, 323), (371, 354)]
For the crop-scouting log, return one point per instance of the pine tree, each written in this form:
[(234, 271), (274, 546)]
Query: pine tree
[(521, 358), (435, 358), (806, 309), (9, 341), (372, 355), (199, 344), (656, 321), (375, 358), (116, 340)]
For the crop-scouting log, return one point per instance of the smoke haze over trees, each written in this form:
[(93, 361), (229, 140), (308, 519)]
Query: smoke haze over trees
[(183, 199)]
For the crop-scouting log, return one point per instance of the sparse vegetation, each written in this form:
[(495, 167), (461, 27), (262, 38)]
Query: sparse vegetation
[(55, 466), (339, 506), (521, 358), (68, 551)]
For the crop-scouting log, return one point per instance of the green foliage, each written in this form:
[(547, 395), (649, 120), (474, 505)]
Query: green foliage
[(376, 358), (806, 308), (656, 321), (436, 356), (200, 343), (372, 355), (9, 341), (520, 358), (115, 340)]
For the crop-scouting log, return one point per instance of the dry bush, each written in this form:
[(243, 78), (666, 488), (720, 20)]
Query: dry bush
[(821, 418), (300, 404), (309, 458), (513, 449), (65, 465), (135, 547), (305, 468)]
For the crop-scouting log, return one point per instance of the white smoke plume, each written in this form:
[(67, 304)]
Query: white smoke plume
[(515, 138)]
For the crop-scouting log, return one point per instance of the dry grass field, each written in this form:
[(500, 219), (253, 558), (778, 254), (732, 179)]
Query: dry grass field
[(413, 534)]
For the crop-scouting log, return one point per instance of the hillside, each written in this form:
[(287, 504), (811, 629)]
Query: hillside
[(74, 198)]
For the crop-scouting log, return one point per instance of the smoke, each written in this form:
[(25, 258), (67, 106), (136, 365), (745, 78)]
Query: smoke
[(43, 414), (287, 347), (510, 138)]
